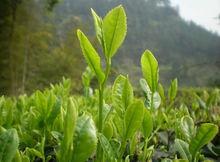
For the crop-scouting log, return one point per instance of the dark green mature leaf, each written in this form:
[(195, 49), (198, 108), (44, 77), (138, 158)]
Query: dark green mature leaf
[(114, 30), (150, 69), (8, 145), (133, 118), (147, 123), (91, 56), (183, 149), (85, 139), (107, 148), (204, 135), (173, 90)]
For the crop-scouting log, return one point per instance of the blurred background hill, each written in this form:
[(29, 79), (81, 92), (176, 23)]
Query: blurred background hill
[(38, 43)]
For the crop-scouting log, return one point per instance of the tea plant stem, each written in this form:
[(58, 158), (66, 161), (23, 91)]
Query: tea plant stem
[(123, 146), (101, 91), (145, 149), (101, 104)]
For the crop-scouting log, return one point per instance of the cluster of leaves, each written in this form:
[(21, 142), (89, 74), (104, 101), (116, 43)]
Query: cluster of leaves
[(108, 123)]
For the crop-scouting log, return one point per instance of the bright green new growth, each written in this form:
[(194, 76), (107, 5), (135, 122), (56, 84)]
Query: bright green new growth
[(91, 56), (110, 33), (114, 30), (150, 70)]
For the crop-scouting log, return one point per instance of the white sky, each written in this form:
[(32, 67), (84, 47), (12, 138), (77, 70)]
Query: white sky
[(202, 12)]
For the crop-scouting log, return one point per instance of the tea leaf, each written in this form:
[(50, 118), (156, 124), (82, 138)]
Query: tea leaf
[(91, 56), (69, 129), (205, 133), (54, 112), (114, 30), (133, 118), (161, 92), (122, 94), (107, 148), (187, 127), (173, 90), (183, 148), (150, 69), (8, 145), (85, 139), (147, 123), (98, 27), (156, 100)]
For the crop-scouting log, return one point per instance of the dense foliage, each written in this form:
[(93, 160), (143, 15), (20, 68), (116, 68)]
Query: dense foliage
[(110, 123)]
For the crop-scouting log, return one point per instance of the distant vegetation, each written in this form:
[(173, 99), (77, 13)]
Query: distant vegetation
[(38, 43)]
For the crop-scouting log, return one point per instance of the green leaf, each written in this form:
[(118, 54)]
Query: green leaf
[(108, 130), (114, 30), (187, 127), (87, 76), (127, 94), (98, 27), (54, 112), (180, 160), (127, 159), (69, 128), (161, 92), (173, 90), (107, 148), (118, 123), (17, 157), (122, 94), (85, 139), (147, 92), (156, 100), (34, 152), (183, 149), (133, 118), (91, 56), (204, 135), (8, 145), (150, 69), (147, 123)]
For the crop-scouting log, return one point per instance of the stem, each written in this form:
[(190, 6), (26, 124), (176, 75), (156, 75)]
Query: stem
[(101, 89), (101, 103), (145, 149), (123, 146)]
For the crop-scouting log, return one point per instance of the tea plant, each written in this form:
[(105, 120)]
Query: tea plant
[(108, 123)]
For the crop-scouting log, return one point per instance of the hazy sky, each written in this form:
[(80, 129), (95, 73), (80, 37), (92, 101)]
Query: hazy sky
[(203, 12)]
